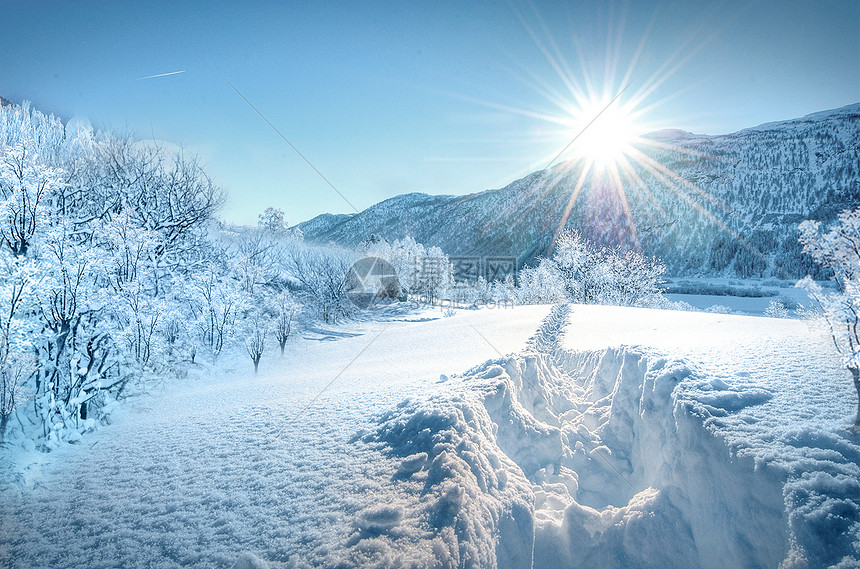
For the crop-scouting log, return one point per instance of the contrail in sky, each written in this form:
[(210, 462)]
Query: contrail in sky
[(160, 75)]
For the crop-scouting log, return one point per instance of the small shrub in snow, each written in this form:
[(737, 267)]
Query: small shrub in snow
[(776, 309), (676, 305)]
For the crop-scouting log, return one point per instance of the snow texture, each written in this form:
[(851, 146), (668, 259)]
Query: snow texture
[(614, 437)]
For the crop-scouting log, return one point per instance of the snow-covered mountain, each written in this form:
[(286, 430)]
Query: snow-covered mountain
[(727, 204)]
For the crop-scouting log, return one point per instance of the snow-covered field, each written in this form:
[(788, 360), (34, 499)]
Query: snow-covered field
[(233, 463), (740, 296), (577, 436)]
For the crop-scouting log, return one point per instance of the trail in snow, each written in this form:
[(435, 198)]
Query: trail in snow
[(614, 437), (592, 448), (771, 392)]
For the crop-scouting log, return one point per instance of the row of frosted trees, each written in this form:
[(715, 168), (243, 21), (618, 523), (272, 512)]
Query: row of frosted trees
[(578, 271), (103, 250), (115, 274)]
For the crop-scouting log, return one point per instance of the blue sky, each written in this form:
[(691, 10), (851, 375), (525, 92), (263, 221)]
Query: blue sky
[(393, 97)]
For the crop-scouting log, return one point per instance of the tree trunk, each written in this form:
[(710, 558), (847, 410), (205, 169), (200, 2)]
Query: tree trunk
[(4, 420), (855, 371)]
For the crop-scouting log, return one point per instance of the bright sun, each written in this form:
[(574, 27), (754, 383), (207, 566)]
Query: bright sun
[(606, 132)]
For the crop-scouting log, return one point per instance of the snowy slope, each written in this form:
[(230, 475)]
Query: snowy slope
[(235, 463), (758, 183), (614, 437)]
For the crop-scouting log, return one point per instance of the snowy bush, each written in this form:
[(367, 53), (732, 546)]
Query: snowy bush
[(542, 284), (839, 250), (776, 309), (580, 272)]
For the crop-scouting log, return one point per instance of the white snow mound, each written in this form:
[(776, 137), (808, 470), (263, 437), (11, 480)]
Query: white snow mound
[(612, 457)]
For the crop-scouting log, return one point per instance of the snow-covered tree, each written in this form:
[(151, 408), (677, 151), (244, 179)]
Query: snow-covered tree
[(16, 365), (320, 276), (26, 185), (217, 303), (577, 262), (255, 331), (253, 259), (839, 250), (284, 308), (273, 223), (16, 362), (590, 275), (272, 220)]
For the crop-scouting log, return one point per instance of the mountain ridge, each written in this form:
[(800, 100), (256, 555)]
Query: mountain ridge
[(707, 204)]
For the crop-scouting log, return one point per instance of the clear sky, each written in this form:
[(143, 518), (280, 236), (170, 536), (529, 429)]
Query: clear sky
[(393, 97)]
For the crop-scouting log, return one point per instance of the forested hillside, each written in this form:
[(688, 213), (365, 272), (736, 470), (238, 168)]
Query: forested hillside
[(714, 205)]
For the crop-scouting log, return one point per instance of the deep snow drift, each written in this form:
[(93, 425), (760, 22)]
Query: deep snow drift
[(732, 453), (616, 437)]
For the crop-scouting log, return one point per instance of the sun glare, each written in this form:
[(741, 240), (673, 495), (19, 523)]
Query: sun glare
[(599, 119), (605, 133)]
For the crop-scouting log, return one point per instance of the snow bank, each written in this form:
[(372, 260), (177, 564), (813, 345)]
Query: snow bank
[(657, 488), (473, 506), (615, 457)]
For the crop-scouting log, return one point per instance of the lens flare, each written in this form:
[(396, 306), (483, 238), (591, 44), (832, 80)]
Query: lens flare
[(606, 133), (600, 142)]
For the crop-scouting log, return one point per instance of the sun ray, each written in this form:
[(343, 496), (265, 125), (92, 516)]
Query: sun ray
[(606, 150), (569, 78), (540, 85), (570, 202), (710, 216), (640, 48), (646, 160), (625, 204), (670, 180), (565, 77), (640, 184), (546, 184)]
